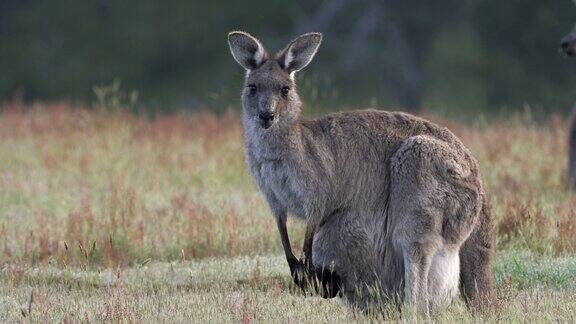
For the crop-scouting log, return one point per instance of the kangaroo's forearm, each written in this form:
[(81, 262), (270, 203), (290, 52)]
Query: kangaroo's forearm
[(281, 222)]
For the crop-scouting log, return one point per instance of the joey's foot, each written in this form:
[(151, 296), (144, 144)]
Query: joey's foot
[(323, 281), (327, 282)]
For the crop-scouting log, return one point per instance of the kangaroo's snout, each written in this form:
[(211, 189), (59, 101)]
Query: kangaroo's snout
[(266, 118), (266, 111)]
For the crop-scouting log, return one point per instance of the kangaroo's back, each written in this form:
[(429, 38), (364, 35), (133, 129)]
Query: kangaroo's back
[(372, 136), (359, 146)]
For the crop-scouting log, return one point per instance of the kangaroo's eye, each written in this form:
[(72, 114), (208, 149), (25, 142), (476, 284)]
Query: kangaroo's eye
[(251, 89), (285, 91)]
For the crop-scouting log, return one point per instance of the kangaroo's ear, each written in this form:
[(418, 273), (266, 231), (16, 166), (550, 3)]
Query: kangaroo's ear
[(246, 49), (299, 52)]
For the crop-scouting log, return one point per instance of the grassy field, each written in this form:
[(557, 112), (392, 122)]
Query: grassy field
[(109, 216), (253, 288)]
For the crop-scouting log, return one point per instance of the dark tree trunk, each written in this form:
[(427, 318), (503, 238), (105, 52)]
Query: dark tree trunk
[(572, 152)]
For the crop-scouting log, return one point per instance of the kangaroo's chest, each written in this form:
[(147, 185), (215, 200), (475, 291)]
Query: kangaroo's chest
[(275, 177)]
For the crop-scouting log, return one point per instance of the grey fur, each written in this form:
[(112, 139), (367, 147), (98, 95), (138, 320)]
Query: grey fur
[(391, 201)]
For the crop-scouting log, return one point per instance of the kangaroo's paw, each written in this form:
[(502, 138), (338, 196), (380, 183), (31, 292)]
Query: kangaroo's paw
[(299, 274)]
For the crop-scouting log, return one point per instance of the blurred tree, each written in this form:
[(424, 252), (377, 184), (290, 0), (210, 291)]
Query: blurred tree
[(410, 53), (520, 39)]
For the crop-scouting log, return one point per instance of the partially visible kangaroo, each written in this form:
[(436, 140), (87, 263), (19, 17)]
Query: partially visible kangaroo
[(394, 204), (568, 44)]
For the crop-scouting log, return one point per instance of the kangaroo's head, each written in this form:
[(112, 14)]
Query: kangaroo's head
[(568, 43), (269, 98)]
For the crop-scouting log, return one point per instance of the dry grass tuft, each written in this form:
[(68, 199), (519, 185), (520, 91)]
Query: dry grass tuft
[(90, 188)]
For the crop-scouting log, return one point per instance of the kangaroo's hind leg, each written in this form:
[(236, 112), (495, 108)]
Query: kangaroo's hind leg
[(417, 262), (416, 237)]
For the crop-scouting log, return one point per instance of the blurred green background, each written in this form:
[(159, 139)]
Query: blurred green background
[(457, 57)]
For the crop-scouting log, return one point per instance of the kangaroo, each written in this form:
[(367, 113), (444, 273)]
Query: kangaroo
[(394, 205), (568, 45)]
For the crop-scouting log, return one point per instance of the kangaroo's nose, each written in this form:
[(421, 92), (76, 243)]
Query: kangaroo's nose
[(266, 116), (565, 44)]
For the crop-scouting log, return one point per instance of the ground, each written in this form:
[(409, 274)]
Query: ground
[(110, 216), (254, 288)]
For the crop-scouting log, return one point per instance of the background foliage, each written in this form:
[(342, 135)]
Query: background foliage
[(446, 55)]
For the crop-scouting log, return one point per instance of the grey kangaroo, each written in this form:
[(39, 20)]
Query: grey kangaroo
[(394, 205), (568, 44)]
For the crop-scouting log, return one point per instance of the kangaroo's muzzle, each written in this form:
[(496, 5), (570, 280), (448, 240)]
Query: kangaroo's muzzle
[(266, 118)]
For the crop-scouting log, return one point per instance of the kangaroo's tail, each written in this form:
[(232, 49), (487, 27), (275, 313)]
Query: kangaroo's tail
[(476, 257)]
